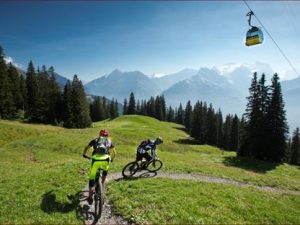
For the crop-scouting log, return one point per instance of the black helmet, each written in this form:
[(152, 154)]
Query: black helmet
[(159, 140)]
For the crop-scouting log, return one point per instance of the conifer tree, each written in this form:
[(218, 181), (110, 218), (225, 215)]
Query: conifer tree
[(112, 109), (170, 114), (151, 107), (116, 108), (131, 104), (295, 148), (234, 134), (197, 121), (67, 103), (254, 140), (160, 108), (97, 109), (180, 115), (220, 129), (276, 121), (18, 100), (80, 108), (211, 125), (188, 116), (33, 101), (7, 106), (55, 101), (227, 131)]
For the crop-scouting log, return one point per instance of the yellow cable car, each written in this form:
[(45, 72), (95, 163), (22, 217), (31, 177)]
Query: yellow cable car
[(254, 35)]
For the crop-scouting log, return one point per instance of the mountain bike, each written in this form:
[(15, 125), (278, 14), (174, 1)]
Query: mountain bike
[(152, 166), (98, 195)]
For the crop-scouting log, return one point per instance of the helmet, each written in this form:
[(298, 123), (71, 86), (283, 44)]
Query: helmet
[(159, 140), (103, 133)]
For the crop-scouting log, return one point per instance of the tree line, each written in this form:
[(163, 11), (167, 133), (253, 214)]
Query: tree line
[(37, 97), (261, 133), (201, 121)]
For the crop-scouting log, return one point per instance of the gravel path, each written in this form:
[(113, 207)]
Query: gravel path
[(109, 217)]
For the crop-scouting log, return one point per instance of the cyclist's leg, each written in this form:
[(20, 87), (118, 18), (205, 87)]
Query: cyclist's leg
[(93, 170), (147, 156)]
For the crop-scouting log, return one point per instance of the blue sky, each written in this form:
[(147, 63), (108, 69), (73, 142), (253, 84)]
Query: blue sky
[(92, 38)]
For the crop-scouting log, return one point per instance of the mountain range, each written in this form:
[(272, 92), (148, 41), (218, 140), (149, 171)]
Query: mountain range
[(226, 89)]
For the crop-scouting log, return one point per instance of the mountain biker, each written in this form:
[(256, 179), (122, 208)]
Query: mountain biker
[(145, 146), (102, 155)]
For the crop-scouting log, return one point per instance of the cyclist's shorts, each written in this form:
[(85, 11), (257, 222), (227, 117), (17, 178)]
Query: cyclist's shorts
[(99, 161)]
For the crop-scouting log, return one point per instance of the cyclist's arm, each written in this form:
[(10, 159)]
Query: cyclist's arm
[(153, 152), (86, 149)]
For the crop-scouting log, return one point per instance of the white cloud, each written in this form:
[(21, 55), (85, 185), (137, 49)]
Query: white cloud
[(228, 68), (9, 59)]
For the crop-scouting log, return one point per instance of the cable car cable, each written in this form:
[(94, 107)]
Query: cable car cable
[(273, 40)]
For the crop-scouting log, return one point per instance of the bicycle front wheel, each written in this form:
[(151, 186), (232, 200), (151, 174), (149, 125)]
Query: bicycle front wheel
[(130, 169), (154, 165), (98, 200)]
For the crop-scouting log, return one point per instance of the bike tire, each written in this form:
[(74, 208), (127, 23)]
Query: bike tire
[(154, 165), (98, 201), (130, 169)]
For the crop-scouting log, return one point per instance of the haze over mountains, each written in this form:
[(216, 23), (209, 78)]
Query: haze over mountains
[(226, 88)]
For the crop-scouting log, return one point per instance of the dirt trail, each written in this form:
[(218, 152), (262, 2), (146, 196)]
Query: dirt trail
[(108, 216)]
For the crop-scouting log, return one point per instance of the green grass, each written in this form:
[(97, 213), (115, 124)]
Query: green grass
[(164, 201), (42, 168)]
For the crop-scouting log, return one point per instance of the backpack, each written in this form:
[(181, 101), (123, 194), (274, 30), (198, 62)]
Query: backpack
[(101, 146), (143, 144)]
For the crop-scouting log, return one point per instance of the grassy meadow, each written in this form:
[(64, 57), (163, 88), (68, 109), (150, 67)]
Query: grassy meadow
[(43, 172)]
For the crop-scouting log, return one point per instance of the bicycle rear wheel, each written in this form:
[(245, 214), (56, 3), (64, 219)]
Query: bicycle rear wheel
[(130, 169), (98, 200), (154, 165)]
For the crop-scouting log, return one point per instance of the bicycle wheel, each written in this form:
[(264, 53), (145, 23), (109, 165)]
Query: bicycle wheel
[(130, 169), (154, 165), (98, 200)]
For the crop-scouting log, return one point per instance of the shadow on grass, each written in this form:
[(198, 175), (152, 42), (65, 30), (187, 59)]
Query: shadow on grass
[(139, 175), (187, 141), (253, 165), (50, 205)]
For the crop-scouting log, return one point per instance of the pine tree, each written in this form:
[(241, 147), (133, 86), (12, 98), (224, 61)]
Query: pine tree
[(15, 79), (67, 103), (55, 101), (170, 114), (295, 148), (131, 104), (151, 107), (254, 141), (227, 131), (80, 108), (7, 106), (220, 129), (277, 125), (211, 125), (188, 116), (180, 115), (160, 108), (112, 109), (33, 101), (234, 134), (197, 121), (97, 109)]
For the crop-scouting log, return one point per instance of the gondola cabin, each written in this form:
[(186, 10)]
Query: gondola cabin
[(254, 36)]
